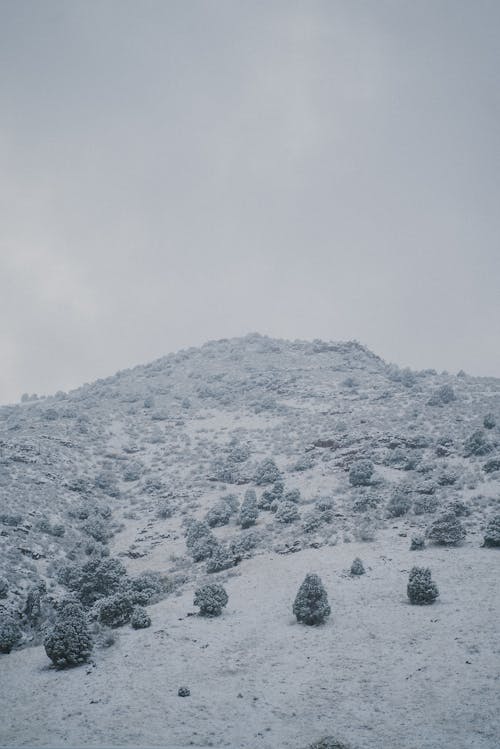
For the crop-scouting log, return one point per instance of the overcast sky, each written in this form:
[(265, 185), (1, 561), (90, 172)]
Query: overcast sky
[(176, 171)]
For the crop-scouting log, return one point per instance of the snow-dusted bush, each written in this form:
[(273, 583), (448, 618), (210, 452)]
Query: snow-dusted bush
[(271, 495), (210, 599), (447, 530), (164, 509), (292, 495), (357, 567), (69, 642), (95, 579), (115, 611), (249, 511), (140, 619), (108, 484), (328, 742), (200, 541), (442, 396), (365, 502), (492, 532), (313, 520), (97, 528), (492, 465), (4, 587), (458, 507), (361, 472), (489, 421), (421, 589), (222, 558), (311, 603), (10, 632), (399, 504), (267, 472), (287, 512), (33, 606), (304, 463), (244, 543), (218, 515), (477, 444), (145, 589), (425, 503), (417, 543)]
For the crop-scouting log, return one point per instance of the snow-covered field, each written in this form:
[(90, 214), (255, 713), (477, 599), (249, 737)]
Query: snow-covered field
[(379, 673)]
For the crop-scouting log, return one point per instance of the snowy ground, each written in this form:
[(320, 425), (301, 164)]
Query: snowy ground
[(380, 673)]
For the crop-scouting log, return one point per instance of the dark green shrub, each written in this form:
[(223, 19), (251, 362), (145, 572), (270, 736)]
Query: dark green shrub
[(357, 567), (269, 496), (421, 589), (4, 587), (94, 579), (222, 558), (492, 465), (311, 603), (69, 642), (218, 515), (211, 599), (287, 513), (489, 421), (477, 444), (417, 543), (398, 505), (267, 472)]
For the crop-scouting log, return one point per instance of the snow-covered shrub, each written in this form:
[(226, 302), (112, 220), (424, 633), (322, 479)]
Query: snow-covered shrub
[(492, 532), (365, 502), (94, 579), (133, 472), (492, 465), (304, 463), (33, 606), (164, 509), (399, 504), (145, 589), (477, 444), (421, 589), (311, 602), (68, 642), (222, 558), (249, 511), (107, 483), (425, 503), (489, 421), (313, 520), (458, 507), (365, 528), (7, 519), (140, 619), (267, 472), (447, 478), (442, 396), (218, 515), (361, 472), (210, 599), (269, 496), (244, 543), (115, 611), (231, 500), (287, 512), (417, 543), (292, 495), (4, 587), (97, 528), (10, 632), (328, 742), (357, 567), (447, 530), (200, 541)]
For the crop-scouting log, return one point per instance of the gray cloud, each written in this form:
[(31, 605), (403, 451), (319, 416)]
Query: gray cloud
[(177, 171)]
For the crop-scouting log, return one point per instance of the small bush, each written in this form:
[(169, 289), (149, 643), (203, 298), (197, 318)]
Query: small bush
[(489, 421), (398, 505), (97, 578), (218, 515), (287, 513), (10, 633), (267, 472), (164, 509), (492, 465), (425, 504), (115, 611), (442, 396), (417, 543), (361, 473), (293, 495), (366, 502), (222, 558), (210, 599), (4, 587), (311, 603), (244, 543), (145, 589), (477, 444), (447, 530), (328, 742), (200, 541), (492, 532), (68, 643), (249, 511), (421, 589), (357, 567), (269, 496), (140, 618)]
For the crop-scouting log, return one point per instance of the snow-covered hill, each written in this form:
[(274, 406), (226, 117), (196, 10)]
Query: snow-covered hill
[(121, 468)]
